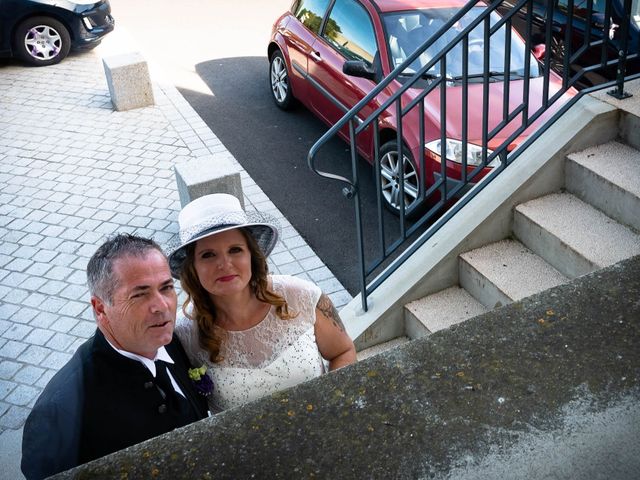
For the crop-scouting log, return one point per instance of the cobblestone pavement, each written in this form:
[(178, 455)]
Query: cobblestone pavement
[(72, 171)]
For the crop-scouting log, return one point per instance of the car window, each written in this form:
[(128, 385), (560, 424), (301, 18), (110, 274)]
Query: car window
[(407, 31), (350, 31), (597, 20), (311, 13), (580, 7)]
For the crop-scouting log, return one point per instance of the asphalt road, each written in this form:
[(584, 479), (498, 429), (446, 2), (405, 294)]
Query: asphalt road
[(217, 59)]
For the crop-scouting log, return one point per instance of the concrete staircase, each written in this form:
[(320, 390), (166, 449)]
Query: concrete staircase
[(593, 221)]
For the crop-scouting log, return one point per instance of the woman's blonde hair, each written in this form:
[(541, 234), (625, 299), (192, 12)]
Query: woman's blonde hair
[(199, 307)]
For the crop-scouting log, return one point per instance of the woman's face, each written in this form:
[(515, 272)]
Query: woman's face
[(223, 263)]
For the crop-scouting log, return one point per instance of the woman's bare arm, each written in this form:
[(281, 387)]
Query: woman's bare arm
[(332, 338)]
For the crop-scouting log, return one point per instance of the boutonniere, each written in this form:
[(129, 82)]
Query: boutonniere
[(201, 380)]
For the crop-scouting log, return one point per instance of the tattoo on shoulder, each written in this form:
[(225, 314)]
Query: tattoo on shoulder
[(325, 305)]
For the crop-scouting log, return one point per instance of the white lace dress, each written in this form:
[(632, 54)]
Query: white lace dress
[(271, 356)]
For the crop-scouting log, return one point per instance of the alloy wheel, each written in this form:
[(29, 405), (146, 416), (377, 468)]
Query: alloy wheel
[(279, 79), (558, 52), (390, 169)]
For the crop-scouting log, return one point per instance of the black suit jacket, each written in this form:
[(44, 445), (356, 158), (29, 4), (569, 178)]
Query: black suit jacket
[(98, 403)]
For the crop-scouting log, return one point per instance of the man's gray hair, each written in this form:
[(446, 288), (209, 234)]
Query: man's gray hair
[(100, 276)]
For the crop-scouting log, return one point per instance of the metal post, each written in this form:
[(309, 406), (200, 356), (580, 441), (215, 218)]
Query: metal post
[(619, 92), (355, 194)]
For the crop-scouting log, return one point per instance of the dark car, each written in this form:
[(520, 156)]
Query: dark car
[(42, 32), (588, 25)]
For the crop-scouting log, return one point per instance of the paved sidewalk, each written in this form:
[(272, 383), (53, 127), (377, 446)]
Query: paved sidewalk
[(72, 171)]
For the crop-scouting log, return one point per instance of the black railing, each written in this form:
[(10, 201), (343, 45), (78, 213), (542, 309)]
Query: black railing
[(529, 96)]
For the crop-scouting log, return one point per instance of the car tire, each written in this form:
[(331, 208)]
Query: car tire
[(390, 180), (41, 41), (279, 81), (558, 51)]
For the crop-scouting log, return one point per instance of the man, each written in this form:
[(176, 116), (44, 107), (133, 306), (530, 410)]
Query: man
[(127, 383)]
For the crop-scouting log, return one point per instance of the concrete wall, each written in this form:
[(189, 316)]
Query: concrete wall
[(548, 387)]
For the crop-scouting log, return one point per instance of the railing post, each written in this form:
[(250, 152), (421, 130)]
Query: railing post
[(353, 193), (619, 92)]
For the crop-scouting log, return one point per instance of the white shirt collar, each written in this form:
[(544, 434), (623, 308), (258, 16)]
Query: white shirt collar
[(161, 354)]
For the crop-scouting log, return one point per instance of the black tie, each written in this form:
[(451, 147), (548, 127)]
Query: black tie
[(171, 399)]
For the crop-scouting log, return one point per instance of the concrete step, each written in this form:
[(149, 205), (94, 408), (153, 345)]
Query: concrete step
[(630, 122), (439, 311), (505, 271), (571, 235), (608, 177), (381, 347)]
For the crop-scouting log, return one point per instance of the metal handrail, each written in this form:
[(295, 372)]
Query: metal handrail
[(441, 212)]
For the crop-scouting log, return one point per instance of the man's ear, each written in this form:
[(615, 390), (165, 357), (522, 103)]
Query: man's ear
[(98, 309)]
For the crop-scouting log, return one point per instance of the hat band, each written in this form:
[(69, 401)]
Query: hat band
[(211, 224), (209, 231)]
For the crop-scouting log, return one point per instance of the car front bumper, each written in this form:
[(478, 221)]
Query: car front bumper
[(93, 24)]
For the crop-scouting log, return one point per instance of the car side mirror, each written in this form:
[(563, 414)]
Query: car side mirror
[(359, 68), (539, 51)]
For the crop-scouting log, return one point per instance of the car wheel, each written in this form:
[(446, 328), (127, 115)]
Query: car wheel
[(279, 79), (41, 41), (558, 51), (390, 168)]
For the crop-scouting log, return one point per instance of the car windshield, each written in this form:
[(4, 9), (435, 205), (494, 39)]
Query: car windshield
[(406, 31)]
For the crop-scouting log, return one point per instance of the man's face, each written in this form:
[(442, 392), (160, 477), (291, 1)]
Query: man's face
[(142, 313)]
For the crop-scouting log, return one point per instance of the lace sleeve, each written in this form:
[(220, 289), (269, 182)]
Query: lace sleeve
[(301, 295)]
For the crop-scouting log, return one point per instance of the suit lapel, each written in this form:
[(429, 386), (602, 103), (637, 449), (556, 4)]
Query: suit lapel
[(117, 362), (179, 370)]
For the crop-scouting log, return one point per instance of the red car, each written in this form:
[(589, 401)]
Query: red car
[(312, 41)]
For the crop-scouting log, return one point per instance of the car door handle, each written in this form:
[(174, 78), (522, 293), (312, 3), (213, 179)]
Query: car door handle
[(316, 56)]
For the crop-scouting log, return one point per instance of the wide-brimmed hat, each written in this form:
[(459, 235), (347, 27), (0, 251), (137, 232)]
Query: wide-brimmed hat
[(216, 213)]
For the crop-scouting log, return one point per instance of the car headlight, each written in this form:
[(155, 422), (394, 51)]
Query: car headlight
[(453, 152)]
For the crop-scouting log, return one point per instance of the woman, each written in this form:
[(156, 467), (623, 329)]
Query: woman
[(256, 333)]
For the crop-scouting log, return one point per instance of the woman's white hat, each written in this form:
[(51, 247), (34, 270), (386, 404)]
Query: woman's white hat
[(216, 213)]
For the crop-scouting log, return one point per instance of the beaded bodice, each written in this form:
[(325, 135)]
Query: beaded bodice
[(272, 355)]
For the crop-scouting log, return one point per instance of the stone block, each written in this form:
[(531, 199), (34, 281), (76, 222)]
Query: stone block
[(128, 80), (205, 175)]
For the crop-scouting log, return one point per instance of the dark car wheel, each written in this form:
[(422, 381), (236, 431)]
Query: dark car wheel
[(558, 51), (390, 168), (279, 79), (41, 41)]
